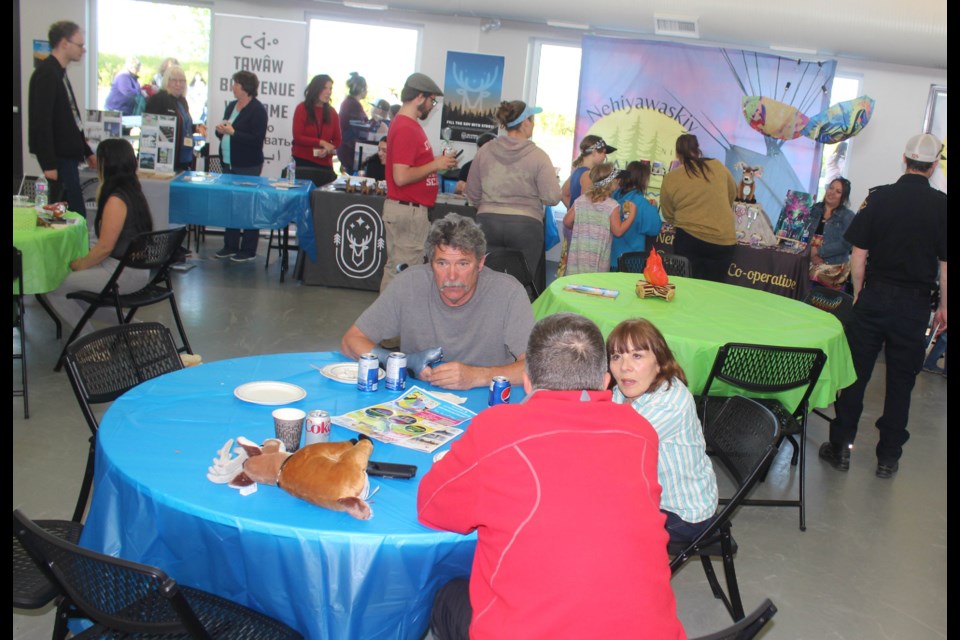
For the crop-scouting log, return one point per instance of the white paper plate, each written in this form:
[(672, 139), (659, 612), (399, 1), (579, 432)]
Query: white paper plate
[(345, 372), (266, 392)]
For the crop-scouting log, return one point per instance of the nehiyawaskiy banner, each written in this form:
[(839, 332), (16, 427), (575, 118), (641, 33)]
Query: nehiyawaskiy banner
[(472, 86), (640, 96), (274, 51)]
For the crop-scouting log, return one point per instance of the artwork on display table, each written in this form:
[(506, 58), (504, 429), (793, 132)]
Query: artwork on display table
[(795, 219), (158, 143)]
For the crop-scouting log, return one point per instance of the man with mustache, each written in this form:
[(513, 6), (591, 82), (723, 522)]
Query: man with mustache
[(480, 319), (411, 173)]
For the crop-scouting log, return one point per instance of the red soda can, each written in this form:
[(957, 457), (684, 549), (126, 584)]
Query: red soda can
[(317, 427), (499, 391)]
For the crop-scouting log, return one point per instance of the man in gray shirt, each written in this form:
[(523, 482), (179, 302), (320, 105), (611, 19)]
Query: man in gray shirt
[(479, 318)]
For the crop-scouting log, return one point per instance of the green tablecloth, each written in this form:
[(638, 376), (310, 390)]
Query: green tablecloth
[(705, 315), (47, 251)]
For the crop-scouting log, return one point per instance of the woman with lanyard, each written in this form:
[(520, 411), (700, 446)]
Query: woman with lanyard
[(316, 130), (241, 134), (171, 101)]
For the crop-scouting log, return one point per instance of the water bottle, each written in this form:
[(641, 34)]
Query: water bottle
[(41, 186), (292, 172)]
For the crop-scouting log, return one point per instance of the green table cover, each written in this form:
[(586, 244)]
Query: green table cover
[(705, 315), (47, 251)]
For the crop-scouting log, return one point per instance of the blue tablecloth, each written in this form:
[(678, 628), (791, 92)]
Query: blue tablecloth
[(243, 202), (322, 572)]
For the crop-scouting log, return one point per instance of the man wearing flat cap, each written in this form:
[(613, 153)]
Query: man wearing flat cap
[(899, 242), (412, 180)]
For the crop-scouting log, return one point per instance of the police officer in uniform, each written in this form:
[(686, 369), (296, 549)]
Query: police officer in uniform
[(899, 242)]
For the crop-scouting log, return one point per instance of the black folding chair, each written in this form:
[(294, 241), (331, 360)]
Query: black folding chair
[(676, 265), (33, 585), (743, 438), (19, 326), (632, 262), (766, 369), (836, 303), (747, 628), (126, 599), (512, 262), (154, 250), (105, 365)]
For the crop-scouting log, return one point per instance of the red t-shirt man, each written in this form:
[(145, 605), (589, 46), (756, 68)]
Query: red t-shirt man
[(412, 181)]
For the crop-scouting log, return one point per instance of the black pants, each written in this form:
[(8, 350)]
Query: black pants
[(67, 186), (505, 231), (242, 241), (708, 261), (894, 319), (451, 614)]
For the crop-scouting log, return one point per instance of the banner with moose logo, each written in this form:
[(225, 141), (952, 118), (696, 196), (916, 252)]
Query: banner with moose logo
[(472, 87)]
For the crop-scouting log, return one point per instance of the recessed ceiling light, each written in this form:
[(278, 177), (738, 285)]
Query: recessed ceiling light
[(559, 24), (369, 6)]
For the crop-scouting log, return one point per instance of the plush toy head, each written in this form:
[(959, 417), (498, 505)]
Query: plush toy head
[(747, 190), (332, 475)]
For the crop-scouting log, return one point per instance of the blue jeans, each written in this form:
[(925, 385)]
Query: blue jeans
[(682, 531), (894, 319), (242, 241)]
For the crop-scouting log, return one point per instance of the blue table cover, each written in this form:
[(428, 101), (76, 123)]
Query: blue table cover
[(322, 572), (243, 202)]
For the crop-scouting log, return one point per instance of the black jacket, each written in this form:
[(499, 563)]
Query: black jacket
[(52, 131), (250, 127), (165, 104)]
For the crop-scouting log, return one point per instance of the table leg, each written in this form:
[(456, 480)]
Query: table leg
[(53, 316), (284, 256)]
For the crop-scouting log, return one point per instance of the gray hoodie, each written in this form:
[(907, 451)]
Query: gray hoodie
[(512, 176)]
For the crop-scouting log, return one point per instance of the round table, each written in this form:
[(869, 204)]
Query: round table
[(322, 572), (47, 251), (703, 316)]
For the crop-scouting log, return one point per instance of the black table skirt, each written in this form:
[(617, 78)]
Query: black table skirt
[(351, 248), (763, 268)]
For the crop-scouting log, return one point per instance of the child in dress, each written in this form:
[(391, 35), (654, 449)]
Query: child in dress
[(593, 218), (646, 221)]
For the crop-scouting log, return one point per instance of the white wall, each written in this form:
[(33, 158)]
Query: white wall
[(900, 91)]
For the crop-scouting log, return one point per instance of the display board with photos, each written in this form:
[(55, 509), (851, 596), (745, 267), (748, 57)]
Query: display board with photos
[(158, 143), (101, 125)]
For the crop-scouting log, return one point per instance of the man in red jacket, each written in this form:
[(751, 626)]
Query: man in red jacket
[(562, 491)]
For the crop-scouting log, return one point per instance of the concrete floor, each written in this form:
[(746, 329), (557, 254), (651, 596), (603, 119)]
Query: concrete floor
[(872, 563)]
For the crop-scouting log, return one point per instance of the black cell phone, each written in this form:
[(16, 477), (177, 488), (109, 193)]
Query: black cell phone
[(391, 469)]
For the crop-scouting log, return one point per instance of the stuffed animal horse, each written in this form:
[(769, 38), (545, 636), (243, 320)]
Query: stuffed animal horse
[(332, 475)]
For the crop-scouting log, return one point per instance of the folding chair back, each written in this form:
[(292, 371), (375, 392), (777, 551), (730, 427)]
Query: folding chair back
[(129, 598), (213, 164), (835, 302), (632, 262), (155, 251), (766, 369), (743, 437), (28, 187), (512, 262), (676, 265), (108, 363)]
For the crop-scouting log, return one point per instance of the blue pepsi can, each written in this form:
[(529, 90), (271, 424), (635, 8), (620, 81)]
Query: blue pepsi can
[(368, 372), (499, 391), (396, 371)]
